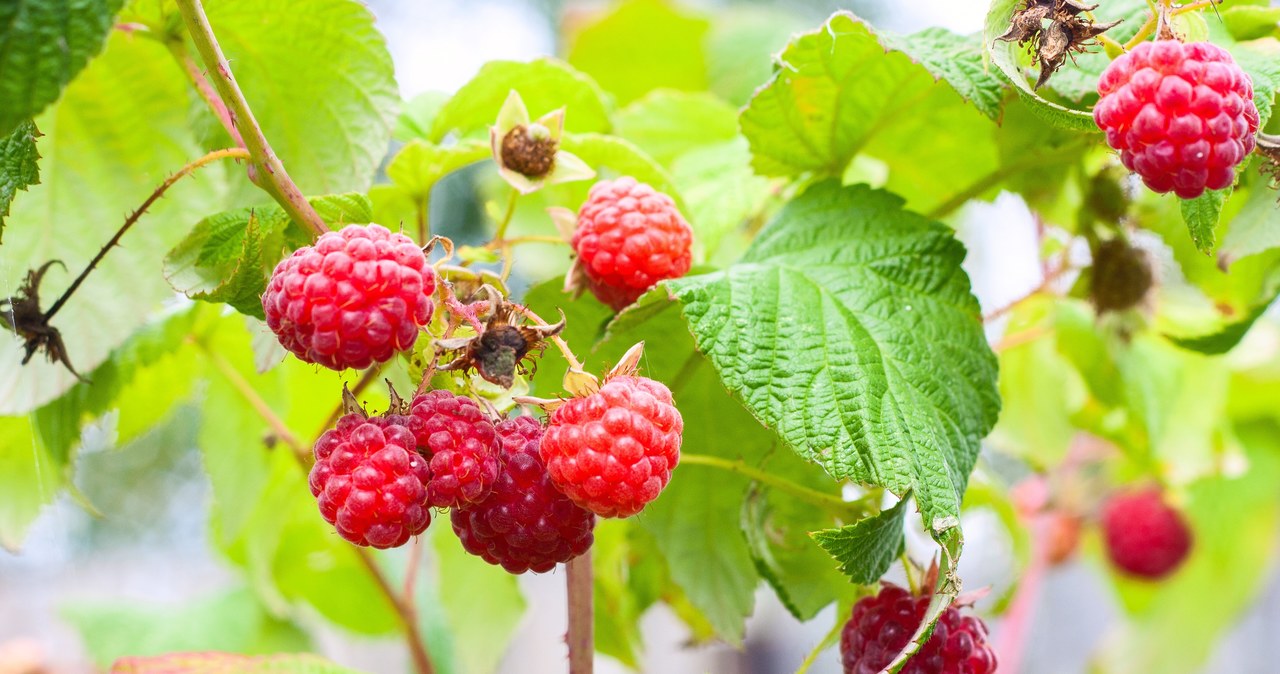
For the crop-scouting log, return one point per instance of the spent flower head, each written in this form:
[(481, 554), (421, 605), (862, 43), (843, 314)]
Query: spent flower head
[(528, 153)]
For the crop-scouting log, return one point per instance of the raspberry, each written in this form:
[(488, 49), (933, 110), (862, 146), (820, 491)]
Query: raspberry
[(461, 445), (1181, 115), (354, 298), (1145, 537), (629, 237), (882, 625), (526, 523), (371, 482), (612, 452)]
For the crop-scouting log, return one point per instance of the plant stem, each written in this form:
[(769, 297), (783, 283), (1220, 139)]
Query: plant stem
[(417, 646), (405, 610), (1194, 6), (230, 153), (827, 642), (580, 639), (205, 89), (1145, 31), (562, 345), (500, 237), (821, 499), (272, 177)]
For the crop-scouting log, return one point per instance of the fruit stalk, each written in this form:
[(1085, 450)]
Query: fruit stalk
[(272, 177), (580, 639)]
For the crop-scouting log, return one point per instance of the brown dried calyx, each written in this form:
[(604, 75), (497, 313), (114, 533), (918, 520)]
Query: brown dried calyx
[(1269, 150), (502, 349), (22, 315), (529, 150), (1122, 276), (1055, 29)]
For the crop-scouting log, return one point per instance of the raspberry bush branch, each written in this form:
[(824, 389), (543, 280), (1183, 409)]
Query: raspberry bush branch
[(580, 637), (271, 175)]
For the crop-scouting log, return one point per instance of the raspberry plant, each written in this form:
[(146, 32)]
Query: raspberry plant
[(696, 324)]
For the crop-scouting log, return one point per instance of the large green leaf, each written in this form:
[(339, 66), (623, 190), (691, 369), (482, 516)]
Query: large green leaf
[(30, 478), (545, 84), (228, 663), (327, 107), (843, 86), (18, 166), (230, 621), (482, 604), (43, 44), (850, 329), (229, 256), (668, 123), (607, 49), (98, 163), (867, 548)]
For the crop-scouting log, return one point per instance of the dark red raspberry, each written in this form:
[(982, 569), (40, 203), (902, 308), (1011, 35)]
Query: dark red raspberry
[(526, 524), (629, 237), (354, 298), (1181, 115), (613, 451), (371, 482), (459, 440), (882, 625), (1145, 536)]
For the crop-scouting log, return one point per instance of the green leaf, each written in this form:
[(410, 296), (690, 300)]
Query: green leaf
[(1202, 214), (43, 44), (231, 621), (545, 84), (623, 157), (1005, 56), (617, 608), (956, 59), (867, 548), (331, 133), (228, 663), (228, 257), (777, 527), (419, 165), (99, 163), (1251, 22), (1256, 228), (721, 193), (850, 329), (741, 47), (668, 123), (695, 522), (30, 478), (18, 167), (607, 49), (482, 603), (417, 115), (841, 86)]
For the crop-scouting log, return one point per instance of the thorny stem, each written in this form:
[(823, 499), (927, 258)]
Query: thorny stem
[(830, 502), (822, 646), (562, 345), (206, 90), (580, 639), (230, 153), (408, 616), (272, 177), (405, 610)]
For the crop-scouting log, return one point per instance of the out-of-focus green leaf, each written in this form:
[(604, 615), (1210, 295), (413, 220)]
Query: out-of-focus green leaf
[(741, 45), (331, 133), (667, 123), (607, 49), (43, 44), (545, 84), (482, 603), (98, 163), (30, 477), (231, 621), (18, 165), (721, 193), (417, 115)]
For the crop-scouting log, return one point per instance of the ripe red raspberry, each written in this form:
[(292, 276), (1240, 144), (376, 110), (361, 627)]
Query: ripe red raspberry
[(613, 451), (371, 482), (1181, 115), (460, 443), (526, 523), (629, 237), (1145, 537), (882, 625), (354, 298)]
